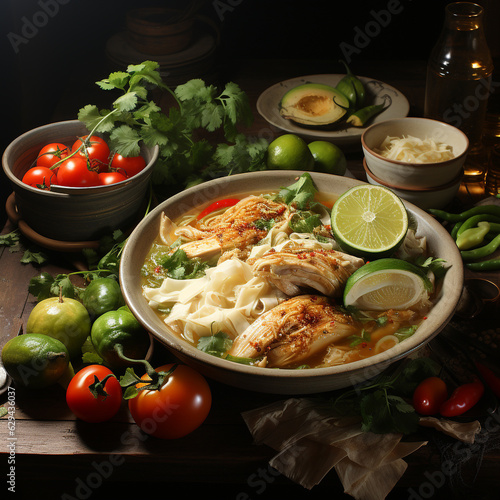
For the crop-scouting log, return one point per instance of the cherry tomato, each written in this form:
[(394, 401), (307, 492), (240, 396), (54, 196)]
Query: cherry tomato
[(179, 407), (50, 154), (111, 177), (429, 395), (96, 150), (75, 172), (39, 177), (131, 165), (217, 205), (84, 404)]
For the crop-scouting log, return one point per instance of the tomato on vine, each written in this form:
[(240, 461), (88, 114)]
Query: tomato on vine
[(177, 407), (131, 165), (75, 172), (39, 177), (111, 177), (51, 153), (94, 394), (95, 149)]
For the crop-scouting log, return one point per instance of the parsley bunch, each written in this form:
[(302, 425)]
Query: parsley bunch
[(185, 155)]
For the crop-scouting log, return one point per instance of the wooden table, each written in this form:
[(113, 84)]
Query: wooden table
[(57, 456)]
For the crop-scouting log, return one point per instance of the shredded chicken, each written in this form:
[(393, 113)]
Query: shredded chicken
[(294, 330), (235, 228), (295, 270)]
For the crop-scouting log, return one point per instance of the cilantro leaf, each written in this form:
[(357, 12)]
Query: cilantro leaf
[(216, 345), (299, 194), (179, 266)]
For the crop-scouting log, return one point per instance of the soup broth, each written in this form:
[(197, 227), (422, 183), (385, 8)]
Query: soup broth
[(208, 280)]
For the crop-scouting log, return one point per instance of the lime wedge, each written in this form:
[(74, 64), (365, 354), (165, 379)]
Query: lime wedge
[(369, 221), (387, 284)]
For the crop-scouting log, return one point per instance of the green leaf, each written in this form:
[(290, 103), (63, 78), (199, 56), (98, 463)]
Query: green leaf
[(91, 117), (126, 102), (190, 90), (10, 239), (125, 140), (40, 286), (211, 116), (179, 266), (216, 345), (300, 194), (118, 79), (32, 257)]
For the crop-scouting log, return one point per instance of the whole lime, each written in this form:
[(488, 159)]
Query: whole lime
[(328, 158), (119, 327), (289, 152), (102, 295), (62, 318), (35, 361)]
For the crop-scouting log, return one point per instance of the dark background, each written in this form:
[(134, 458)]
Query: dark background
[(67, 55)]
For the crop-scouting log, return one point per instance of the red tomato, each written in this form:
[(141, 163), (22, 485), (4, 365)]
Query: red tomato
[(75, 172), (51, 154), (95, 149), (39, 177), (111, 177), (179, 407), (84, 404), (429, 395), (131, 165)]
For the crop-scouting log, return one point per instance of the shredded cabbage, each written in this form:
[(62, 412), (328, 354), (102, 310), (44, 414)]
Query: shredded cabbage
[(414, 150)]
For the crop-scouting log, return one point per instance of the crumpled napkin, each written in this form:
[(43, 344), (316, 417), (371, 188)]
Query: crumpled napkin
[(311, 440)]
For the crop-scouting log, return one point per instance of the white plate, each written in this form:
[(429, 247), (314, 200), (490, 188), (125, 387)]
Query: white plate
[(268, 107)]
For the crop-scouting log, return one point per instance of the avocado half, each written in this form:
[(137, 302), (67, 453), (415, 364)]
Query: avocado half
[(314, 104)]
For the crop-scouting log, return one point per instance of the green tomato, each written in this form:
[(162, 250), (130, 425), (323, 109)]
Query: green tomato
[(102, 295), (62, 318), (119, 328)]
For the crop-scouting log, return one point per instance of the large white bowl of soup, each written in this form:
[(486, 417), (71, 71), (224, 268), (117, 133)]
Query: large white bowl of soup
[(221, 307)]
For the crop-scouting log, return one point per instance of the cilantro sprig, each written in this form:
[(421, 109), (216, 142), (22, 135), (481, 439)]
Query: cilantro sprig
[(383, 403), (185, 156)]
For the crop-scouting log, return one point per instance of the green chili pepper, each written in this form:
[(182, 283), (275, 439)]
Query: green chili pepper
[(360, 117), (484, 251), (474, 236), (480, 209), (352, 87), (485, 265), (475, 219), (455, 229)]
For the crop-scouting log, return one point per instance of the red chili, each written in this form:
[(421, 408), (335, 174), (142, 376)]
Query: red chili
[(492, 380), (462, 399), (216, 205)]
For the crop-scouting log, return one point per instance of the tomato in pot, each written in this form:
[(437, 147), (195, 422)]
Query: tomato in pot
[(95, 149), (75, 172), (130, 165), (177, 408), (111, 177), (94, 394), (52, 153), (39, 177)]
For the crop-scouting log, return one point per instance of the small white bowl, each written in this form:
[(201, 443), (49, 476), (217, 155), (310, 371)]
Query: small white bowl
[(424, 198), (406, 175)]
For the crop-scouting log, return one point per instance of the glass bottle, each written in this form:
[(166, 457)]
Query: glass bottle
[(458, 80)]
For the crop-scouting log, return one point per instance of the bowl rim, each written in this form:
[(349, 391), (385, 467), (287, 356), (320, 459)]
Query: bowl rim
[(184, 349), (368, 150), (390, 185), (68, 191)]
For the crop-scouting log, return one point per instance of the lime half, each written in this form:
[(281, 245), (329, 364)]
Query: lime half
[(369, 221), (387, 284)]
